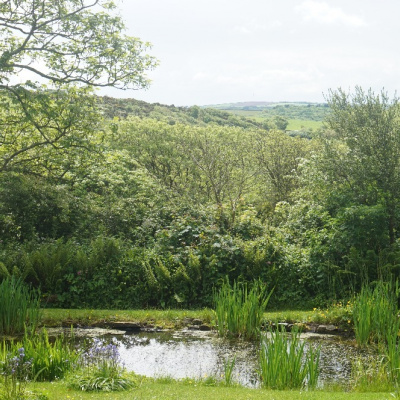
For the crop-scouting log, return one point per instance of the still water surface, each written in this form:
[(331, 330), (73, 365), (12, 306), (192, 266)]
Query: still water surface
[(191, 354)]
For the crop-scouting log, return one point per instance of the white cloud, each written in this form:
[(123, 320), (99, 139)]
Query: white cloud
[(322, 12)]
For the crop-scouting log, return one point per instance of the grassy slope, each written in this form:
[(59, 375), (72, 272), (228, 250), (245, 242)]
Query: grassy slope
[(294, 124)]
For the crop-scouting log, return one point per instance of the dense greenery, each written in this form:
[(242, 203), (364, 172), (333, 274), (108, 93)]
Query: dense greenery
[(117, 203), (165, 212)]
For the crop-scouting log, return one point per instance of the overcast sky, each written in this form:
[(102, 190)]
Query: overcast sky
[(223, 51)]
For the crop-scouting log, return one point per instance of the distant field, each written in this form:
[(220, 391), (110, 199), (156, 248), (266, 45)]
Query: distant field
[(299, 124), (256, 115), (294, 124)]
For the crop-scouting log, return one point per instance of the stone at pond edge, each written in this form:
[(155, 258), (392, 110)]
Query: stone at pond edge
[(128, 326), (201, 327), (326, 328)]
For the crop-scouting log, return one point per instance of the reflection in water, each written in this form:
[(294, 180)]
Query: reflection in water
[(189, 354)]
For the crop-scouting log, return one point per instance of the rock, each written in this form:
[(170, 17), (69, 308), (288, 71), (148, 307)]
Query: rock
[(193, 327), (127, 326), (204, 327), (197, 322), (326, 328)]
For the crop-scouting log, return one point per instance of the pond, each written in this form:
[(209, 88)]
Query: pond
[(197, 355)]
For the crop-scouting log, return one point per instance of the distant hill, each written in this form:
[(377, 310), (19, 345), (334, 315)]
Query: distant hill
[(123, 108), (265, 109)]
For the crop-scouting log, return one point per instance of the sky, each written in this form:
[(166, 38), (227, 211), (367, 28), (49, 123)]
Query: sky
[(226, 51)]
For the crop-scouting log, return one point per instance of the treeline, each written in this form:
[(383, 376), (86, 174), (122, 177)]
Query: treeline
[(136, 211)]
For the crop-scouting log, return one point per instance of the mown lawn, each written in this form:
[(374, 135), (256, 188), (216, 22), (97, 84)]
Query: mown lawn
[(180, 390)]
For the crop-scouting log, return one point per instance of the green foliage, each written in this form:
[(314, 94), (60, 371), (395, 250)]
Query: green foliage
[(19, 306), (15, 369), (282, 365), (124, 108), (239, 310), (375, 314), (48, 360), (229, 365), (99, 370)]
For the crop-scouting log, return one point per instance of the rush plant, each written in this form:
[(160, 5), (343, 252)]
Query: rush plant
[(284, 363), (375, 313), (19, 307), (239, 309)]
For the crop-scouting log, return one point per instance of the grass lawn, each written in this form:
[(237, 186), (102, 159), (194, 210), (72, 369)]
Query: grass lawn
[(180, 390)]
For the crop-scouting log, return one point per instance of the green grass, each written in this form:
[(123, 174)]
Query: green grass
[(168, 389), (53, 317), (294, 124)]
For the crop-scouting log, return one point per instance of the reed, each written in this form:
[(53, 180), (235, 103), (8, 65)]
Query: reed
[(239, 310), (284, 364), (375, 313), (229, 365), (19, 307), (48, 360)]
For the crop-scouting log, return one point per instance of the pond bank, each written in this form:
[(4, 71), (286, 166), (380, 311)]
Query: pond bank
[(156, 320)]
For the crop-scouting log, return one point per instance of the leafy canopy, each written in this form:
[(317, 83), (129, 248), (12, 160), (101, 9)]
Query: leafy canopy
[(70, 41)]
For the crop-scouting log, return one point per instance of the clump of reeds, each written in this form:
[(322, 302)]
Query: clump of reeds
[(375, 313), (284, 363), (239, 309), (48, 360), (19, 306)]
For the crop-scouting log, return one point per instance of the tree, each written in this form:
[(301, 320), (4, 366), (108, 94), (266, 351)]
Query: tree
[(362, 151), (278, 156), (69, 41), (71, 45)]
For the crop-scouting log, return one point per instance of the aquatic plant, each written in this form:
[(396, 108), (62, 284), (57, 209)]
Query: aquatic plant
[(284, 364), (49, 360), (229, 365), (375, 313), (19, 307), (99, 369), (239, 310), (370, 375)]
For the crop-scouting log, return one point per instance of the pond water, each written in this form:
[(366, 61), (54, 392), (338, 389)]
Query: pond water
[(195, 354)]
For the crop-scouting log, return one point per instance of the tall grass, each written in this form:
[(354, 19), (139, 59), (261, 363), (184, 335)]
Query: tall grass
[(239, 310), (19, 307), (375, 313), (284, 364), (229, 365), (48, 360)]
